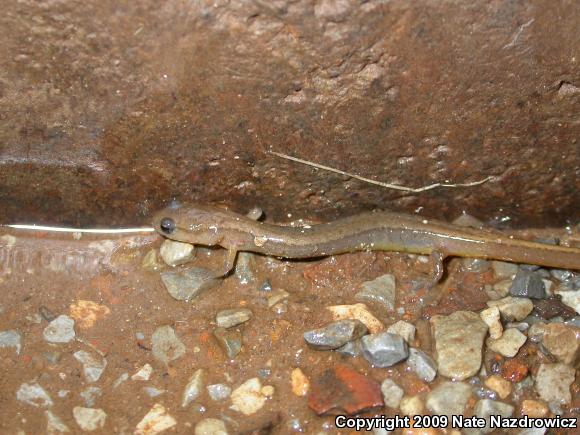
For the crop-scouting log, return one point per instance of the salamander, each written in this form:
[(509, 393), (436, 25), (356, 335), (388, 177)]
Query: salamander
[(374, 231)]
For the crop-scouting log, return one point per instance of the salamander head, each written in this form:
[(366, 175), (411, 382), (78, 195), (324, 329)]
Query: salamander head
[(200, 225)]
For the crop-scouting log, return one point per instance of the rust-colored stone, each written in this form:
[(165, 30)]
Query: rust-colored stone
[(342, 390), (514, 371)]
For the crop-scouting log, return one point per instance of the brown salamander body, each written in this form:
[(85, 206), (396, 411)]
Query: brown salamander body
[(376, 231)]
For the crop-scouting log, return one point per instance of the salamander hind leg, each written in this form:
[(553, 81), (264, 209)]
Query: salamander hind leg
[(437, 259)]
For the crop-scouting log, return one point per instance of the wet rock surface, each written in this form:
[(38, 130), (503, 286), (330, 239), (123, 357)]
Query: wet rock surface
[(384, 349), (119, 119)]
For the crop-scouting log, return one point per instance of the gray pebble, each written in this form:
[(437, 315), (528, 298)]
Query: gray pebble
[(449, 398), (335, 334), (266, 286), (485, 408), (174, 253), (392, 393), (562, 275), (422, 364), (11, 338), (46, 313), (153, 392), (93, 366), (219, 392), (52, 356), (166, 346), (230, 341), (193, 388), (60, 330), (33, 394), (90, 394), (528, 284), (384, 349), (381, 290), (245, 266), (186, 284), (228, 318), (352, 348)]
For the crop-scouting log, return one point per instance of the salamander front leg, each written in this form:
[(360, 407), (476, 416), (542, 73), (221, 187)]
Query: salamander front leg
[(230, 261), (437, 258)]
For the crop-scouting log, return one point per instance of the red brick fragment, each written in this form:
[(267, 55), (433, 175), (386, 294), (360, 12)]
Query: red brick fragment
[(342, 390)]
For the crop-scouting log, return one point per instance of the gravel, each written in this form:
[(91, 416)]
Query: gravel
[(335, 334), (384, 349), (60, 330), (422, 364), (381, 290), (528, 284), (233, 317)]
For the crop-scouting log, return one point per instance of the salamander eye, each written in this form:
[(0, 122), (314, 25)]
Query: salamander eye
[(167, 225)]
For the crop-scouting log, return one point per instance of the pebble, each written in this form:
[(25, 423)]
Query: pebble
[(508, 344), (248, 398), (193, 388), (534, 409), (404, 329), (165, 345), (54, 424), (229, 340), (458, 343), (513, 308), (411, 405), (122, 378), (219, 392), (503, 270), (422, 364), (143, 374), (384, 349), (33, 394), (11, 338), (536, 332), (475, 264), (563, 342), (553, 383), (552, 307), (93, 367), (89, 419), (392, 393), (60, 330), (491, 317), (277, 296), (562, 274), (335, 334), (502, 288), (153, 392), (210, 426), (86, 313), (300, 383), (381, 290), (266, 286), (245, 266), (358, 312), (352, 348), (449, 398), (569, 297), (485, 408), (174, 253), (155, 421), (184, 285), (501, 386), (228, 318), (343, 390), (528, 284), (150, 261), (90, 394)]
